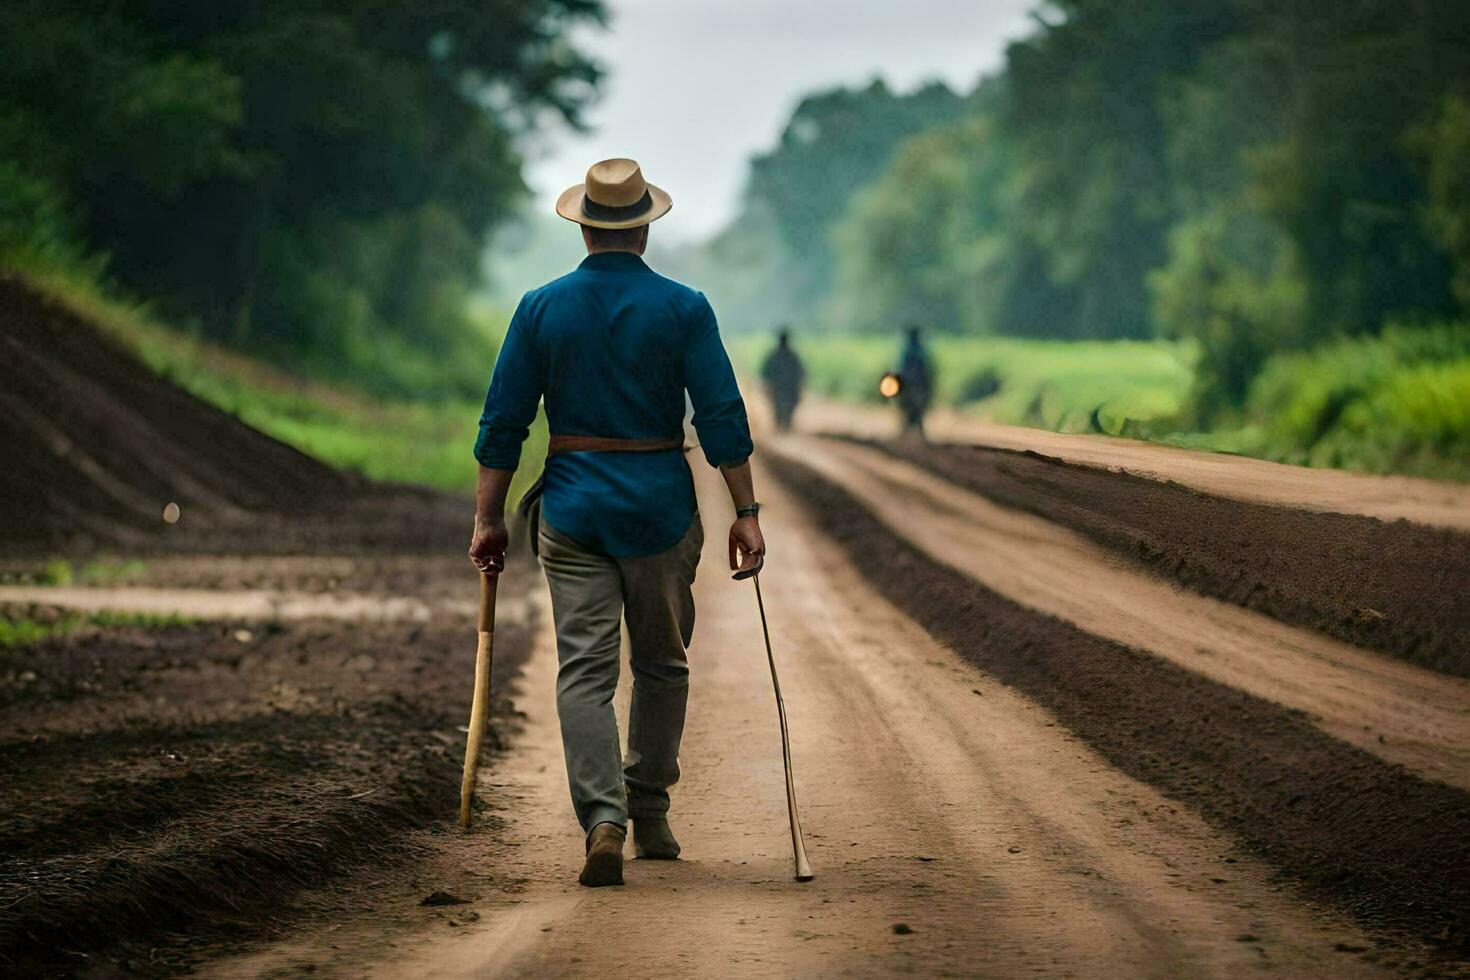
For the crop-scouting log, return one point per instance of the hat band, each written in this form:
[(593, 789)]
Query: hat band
[(607, 212)]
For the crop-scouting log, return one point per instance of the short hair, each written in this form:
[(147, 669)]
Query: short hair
[(617, 238)]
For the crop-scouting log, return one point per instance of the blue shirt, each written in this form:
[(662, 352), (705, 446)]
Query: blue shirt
[(613, 346)]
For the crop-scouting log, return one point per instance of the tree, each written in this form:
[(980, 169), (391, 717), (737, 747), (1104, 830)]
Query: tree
[(1342, 181), (1085, 110), (834, 144), (313, 179), (1254, 175), (936, 240), (1443, 145)]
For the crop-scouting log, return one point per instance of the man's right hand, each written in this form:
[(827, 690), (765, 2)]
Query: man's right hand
[(747, 544), (487, 546)]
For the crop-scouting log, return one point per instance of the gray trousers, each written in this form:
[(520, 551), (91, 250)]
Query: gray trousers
[(591, 595)]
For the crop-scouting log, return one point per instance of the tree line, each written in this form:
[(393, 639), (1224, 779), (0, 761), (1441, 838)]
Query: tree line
[(312, 179), (1259, 176)]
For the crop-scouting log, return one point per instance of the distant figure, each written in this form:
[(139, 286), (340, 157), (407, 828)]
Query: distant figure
[(918, 383), (783, 375)]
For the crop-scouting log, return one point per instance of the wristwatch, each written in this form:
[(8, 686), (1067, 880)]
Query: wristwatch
[(753, 510)]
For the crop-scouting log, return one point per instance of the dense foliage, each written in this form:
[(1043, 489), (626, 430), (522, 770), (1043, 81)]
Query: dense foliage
[(775, 262), (313, 180), (1256, 176)]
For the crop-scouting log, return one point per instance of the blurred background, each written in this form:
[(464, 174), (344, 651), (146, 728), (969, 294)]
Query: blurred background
[(1232, 224)]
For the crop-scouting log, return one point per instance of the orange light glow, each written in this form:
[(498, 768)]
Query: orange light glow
[(889, 385)]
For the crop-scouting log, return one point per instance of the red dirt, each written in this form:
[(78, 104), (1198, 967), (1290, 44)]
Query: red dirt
[(1397, 587), (1391, 849)]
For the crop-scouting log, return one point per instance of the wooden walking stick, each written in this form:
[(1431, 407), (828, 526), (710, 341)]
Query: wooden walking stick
[(480, 707), (803, 868)]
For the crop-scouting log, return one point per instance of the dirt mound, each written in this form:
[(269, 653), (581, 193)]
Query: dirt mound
[(94, 445), (1392, 849), (1394, 587)]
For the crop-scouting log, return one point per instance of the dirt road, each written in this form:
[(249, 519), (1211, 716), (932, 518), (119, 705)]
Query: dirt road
[(1067, 707), (955, 828)]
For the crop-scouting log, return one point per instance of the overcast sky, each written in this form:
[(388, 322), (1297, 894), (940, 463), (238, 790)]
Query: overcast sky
[(695, 87)]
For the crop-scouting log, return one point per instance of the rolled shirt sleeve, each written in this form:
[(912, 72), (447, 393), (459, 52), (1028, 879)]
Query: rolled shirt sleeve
[(719, 411), (515, 391)]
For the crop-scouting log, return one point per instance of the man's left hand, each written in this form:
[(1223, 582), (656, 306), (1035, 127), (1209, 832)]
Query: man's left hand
[(747, 546)]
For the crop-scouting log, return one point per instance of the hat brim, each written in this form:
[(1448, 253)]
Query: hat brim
[(569, 206)]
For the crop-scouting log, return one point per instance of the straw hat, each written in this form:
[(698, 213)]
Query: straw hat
[(615, 195)]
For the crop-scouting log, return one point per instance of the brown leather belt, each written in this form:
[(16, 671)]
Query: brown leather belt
[(602, 444)]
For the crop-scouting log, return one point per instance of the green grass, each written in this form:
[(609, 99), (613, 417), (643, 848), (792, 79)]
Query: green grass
[(58, 572), (23, 631), (423, 442), (112, 572), (1398, 402), (99, 572), (1051, 384)]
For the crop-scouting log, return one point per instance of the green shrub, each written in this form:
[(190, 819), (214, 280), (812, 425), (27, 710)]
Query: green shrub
[(35, 222), (15, 633), (1398, 402), (57, 572)]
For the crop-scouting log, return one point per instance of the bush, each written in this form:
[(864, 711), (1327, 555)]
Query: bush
[(35, 222), (1398, 402)]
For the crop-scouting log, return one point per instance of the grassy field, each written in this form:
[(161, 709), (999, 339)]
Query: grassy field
[(1051, 384), (424, 442), (1398, 402)]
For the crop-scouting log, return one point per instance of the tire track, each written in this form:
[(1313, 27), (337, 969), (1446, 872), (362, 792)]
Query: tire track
[(1394, 710), (1390, 848), (1396, 587)]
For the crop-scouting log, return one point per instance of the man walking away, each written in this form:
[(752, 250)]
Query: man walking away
[(783, 375), (917, 377), (613, 347)]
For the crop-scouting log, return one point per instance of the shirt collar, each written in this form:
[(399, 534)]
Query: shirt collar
[(614, 261)]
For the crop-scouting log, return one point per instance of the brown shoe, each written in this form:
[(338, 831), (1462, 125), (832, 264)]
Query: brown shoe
[(604, 856), (653, 839)]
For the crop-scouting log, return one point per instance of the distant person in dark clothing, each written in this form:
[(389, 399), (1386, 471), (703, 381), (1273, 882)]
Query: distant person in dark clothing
[(783, 375), (917, 375)]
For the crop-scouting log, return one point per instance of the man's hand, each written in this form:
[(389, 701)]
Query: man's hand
[(747, 546), (487, 546)]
